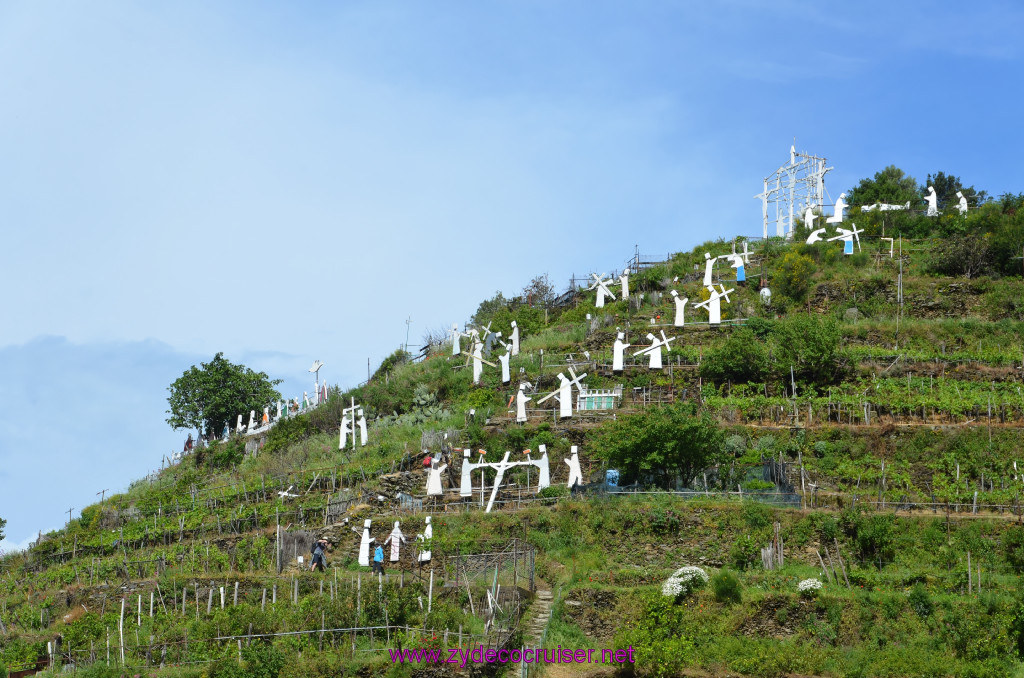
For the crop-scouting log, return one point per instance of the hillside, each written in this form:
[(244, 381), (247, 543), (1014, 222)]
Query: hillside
[(865, 423)]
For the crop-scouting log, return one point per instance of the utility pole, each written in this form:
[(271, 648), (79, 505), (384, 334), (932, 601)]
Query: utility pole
[(408, 322)]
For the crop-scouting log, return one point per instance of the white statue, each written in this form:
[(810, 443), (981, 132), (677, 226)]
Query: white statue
[(456, 348), (252, 421), (364, 543), (514, 338), (624, 281), (396, 539), (503, 360), (654, 350), (238, 425), (575, 474), (427, 538), (280, 408), (434, 488), (361, 423), (521, 400), (305, 400), (809, 217), (266, 416), (544, 479), (466, 481), (737, 263), (601, 285), (714, 304), (933, 202), (815, 236), (617, 351), (837, 217), (478, 358), (564, 396), (962, 205), (346, 429), (847, 235), (709, 264), (680, 319)]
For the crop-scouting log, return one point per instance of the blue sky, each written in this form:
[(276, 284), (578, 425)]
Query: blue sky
[(270, 179)]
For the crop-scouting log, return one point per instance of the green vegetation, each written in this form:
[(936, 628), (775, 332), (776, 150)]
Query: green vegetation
[(211, 396), (897, 424)]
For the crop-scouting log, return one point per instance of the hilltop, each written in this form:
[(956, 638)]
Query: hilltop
[(864, 422)]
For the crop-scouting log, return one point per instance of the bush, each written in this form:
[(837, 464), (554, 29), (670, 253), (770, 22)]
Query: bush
[(792, 277), (920, 601), (726, 587), (742, 358), (1013, 548), (745, 552)]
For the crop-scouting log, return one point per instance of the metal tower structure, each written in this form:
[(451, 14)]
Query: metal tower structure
[(795, 186)]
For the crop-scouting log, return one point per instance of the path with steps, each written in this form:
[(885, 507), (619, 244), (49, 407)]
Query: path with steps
[(542, 613)]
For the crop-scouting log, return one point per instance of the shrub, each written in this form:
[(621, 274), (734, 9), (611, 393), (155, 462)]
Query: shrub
[(920, 601), (1013, 548), (726, 587), (745, 552), (792, 277)]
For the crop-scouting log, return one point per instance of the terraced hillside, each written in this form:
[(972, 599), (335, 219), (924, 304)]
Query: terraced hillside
[(861, 429)]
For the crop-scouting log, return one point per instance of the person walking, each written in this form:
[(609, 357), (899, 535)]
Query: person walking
[(319, 550)]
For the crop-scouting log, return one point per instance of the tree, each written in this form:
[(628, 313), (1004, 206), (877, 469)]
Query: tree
[(488, 308), (810, 345), (968, 255), (663, 442), (892, 185), (3, 524), (540, 292), (742, 358), (212, 395), (793, 275), (946, 186)]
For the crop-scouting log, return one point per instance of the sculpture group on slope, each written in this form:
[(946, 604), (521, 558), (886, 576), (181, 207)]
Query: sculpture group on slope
[(396, 538)]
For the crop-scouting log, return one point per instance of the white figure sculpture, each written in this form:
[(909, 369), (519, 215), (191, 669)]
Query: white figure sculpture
[(680, 319), (266, 416), (564, 392), (456, 348), (521, 400), (478, 358), (427, 538), (514, 338), (466, 480), (434, 488), (847, 235), (564, 396), (654, 350), (544, 479), (503, 360), (766, 296), (601, 285), (617, 350), (815, 236), (346, 429), (364, 543), (252, 421), (305, 400), (280, 408), (737, 263), (709, 263), (933, 202), (238, 425), (361, 423), (575, 474), (837, 217), (396, 539), (714, 304), (962, 205), (809, 217), (624, 281)]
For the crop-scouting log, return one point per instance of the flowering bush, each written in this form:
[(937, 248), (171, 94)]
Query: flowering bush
[(809, 587), (684, 581)]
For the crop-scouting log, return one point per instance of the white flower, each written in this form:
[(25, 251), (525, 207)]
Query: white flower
[(683, 581), (809, 587)]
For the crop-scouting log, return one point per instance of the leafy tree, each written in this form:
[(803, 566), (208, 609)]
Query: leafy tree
[(742, 358), (946, 186), (892, 185), (968, 255), (810, 345), (663, 443), (792, 276), (215, 393), (488, 307)]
